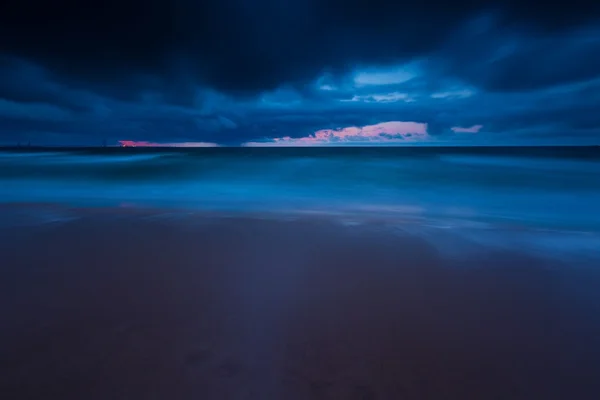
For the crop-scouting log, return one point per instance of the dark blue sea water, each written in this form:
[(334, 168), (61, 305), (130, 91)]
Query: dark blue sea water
[(551, 187)]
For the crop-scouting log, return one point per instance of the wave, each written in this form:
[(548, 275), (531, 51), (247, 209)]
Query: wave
[(512, 187), (522, 162)]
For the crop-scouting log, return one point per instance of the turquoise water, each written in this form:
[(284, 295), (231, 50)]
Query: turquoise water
[(554, 187)]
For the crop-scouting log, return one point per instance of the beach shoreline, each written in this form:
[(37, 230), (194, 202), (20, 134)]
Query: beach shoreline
[(130, 303)]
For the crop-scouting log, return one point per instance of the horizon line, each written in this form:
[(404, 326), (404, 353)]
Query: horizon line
[(241, 146)]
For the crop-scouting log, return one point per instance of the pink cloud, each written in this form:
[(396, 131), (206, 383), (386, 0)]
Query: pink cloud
[(472, 129), (138, 143), (382, 133)]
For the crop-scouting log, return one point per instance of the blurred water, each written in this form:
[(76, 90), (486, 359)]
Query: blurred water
[(553, 187)]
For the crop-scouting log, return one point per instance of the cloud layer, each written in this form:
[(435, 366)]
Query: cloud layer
[(233, 72), (382, 133)]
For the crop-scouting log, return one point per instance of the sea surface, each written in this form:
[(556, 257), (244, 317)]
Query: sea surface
[(312, 273), (541, 187)]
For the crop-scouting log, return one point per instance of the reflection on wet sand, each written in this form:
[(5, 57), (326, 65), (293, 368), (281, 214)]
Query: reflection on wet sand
[(148, 308)]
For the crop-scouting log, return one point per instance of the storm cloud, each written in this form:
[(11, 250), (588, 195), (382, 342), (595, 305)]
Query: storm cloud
[(234, 71)]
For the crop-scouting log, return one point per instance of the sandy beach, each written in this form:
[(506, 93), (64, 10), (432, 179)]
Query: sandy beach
[(130, 304)]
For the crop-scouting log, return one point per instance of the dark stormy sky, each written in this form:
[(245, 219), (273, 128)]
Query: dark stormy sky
[(300, 72)]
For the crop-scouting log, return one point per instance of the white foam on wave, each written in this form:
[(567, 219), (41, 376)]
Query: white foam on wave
[(102, 159), (75, 158), (530, 162), (33, 154), (457, 239)]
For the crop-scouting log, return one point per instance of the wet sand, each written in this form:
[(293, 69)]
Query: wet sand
[(132, 306)]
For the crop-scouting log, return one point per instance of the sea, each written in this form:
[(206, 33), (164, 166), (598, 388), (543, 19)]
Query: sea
[(533, 187)]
